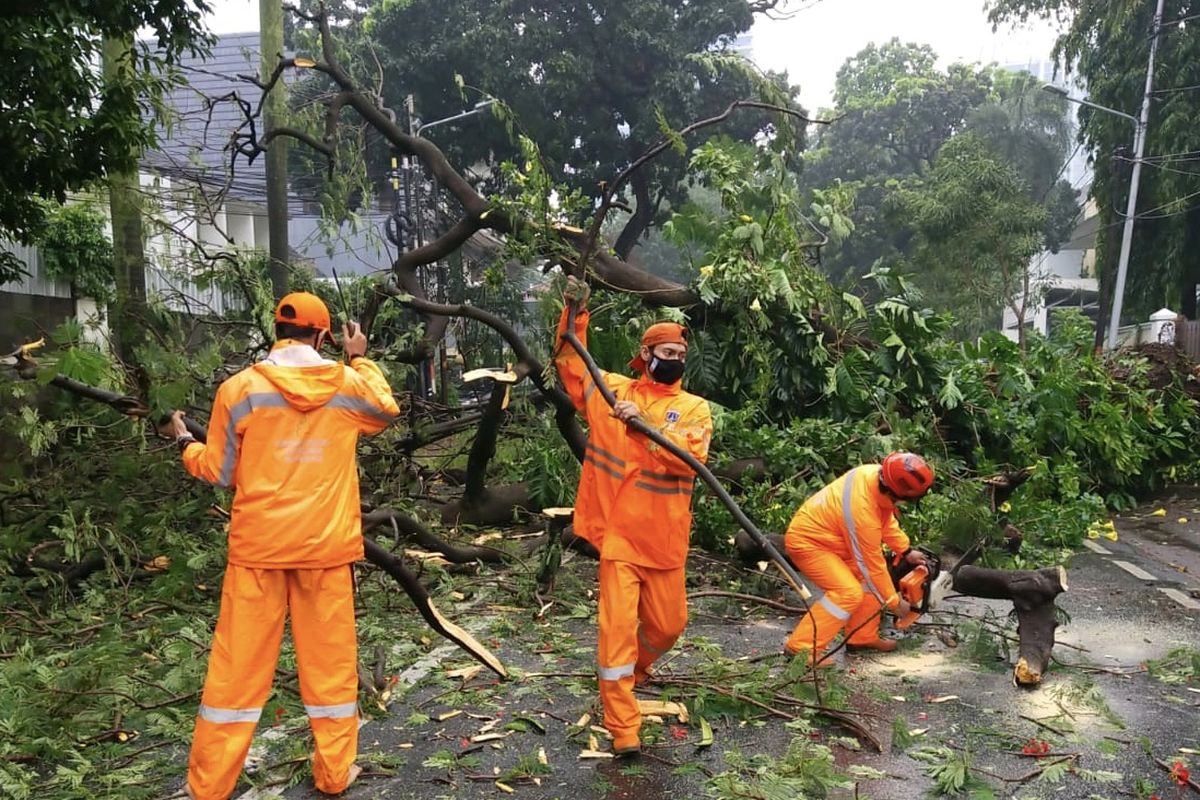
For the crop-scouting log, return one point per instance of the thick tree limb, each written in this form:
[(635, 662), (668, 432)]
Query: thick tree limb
[(393, 566), (527, 366), (483, 448), (453, 553), (1032, 593), (434, 433)]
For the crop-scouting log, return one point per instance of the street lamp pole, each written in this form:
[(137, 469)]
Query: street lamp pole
[(480, 106), (415, 130), (1139, 147)]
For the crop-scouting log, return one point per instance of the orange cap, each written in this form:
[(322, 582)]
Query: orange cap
[(656, 334), (303, 309)]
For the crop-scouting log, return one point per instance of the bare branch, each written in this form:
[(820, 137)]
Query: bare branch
[(299, 135), (612, 188)]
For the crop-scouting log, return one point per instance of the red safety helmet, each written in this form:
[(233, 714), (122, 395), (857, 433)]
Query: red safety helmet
[(906, 475)]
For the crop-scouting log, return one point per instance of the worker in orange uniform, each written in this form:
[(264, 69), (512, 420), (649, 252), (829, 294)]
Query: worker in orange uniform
[(282, 433), (836, 539), (634, 505)]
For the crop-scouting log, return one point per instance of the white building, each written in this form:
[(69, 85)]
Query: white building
[(199, 202), (1066, 279)]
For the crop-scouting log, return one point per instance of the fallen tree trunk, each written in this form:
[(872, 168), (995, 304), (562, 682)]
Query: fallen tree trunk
[(500, 507), (1032, 593)]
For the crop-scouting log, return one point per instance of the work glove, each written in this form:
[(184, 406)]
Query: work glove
[(576, 291)]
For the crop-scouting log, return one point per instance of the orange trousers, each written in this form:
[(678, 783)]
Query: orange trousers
[(642, 613), (843, 605), (254, 603)]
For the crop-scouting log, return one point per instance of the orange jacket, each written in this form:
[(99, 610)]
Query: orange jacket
[(634, 498), (853, 519), (283, 434)]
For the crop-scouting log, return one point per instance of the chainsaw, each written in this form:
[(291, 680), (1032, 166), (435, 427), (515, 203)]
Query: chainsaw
[(922, 585)]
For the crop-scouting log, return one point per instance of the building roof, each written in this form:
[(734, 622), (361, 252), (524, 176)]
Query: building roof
[(205, 113)]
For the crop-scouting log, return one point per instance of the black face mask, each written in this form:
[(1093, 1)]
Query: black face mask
[(666, 371)]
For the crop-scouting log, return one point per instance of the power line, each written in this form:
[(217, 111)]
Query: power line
[(1162, 167), (1191, 88)]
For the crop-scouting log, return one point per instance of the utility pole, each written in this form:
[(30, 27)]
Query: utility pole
[(126, 314), (270, 17), (1139, 147)]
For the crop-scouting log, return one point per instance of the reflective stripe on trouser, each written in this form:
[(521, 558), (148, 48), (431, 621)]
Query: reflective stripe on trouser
[(842, 605), (642, 613), (254, 603)]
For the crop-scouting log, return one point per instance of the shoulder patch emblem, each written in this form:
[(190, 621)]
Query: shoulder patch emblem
[(672, 416)]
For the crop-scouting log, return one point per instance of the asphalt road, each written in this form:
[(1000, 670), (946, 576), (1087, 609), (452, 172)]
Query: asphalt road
[(1130, 601)]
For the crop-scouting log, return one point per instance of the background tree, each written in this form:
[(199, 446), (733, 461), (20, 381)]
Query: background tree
[(592, 83), (896, 109), (1107, 44), (976, 232), (62, 125), (896, 113)]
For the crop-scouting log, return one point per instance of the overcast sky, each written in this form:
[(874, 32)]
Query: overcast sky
[(814, 43)]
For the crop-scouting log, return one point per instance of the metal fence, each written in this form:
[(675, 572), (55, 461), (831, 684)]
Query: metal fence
[(1188, 337), (36, 283), (174, 289)]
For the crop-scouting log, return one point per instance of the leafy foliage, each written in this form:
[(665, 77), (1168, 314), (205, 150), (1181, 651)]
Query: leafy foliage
[(75, 250), (63, 125), (976, 232), (591, 82), (805, 770)]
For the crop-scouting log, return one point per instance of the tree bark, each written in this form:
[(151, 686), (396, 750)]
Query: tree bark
[(500, 507), (129, 257), (274, 115), (1032, 593), (405, 524), (475, 493), (643, 214)]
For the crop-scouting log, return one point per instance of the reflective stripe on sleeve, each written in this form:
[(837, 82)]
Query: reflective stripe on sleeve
[(362, 405), (224, 716), (615, 673), (331, 712), (852, 535)]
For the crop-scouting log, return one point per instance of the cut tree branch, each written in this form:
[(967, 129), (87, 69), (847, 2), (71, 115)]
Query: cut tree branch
[(527, 364)]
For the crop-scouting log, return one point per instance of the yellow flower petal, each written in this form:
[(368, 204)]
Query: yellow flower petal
[(1111, 536), (1092, 533), (1182, 520), (1005, 507), (1158, 512)]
